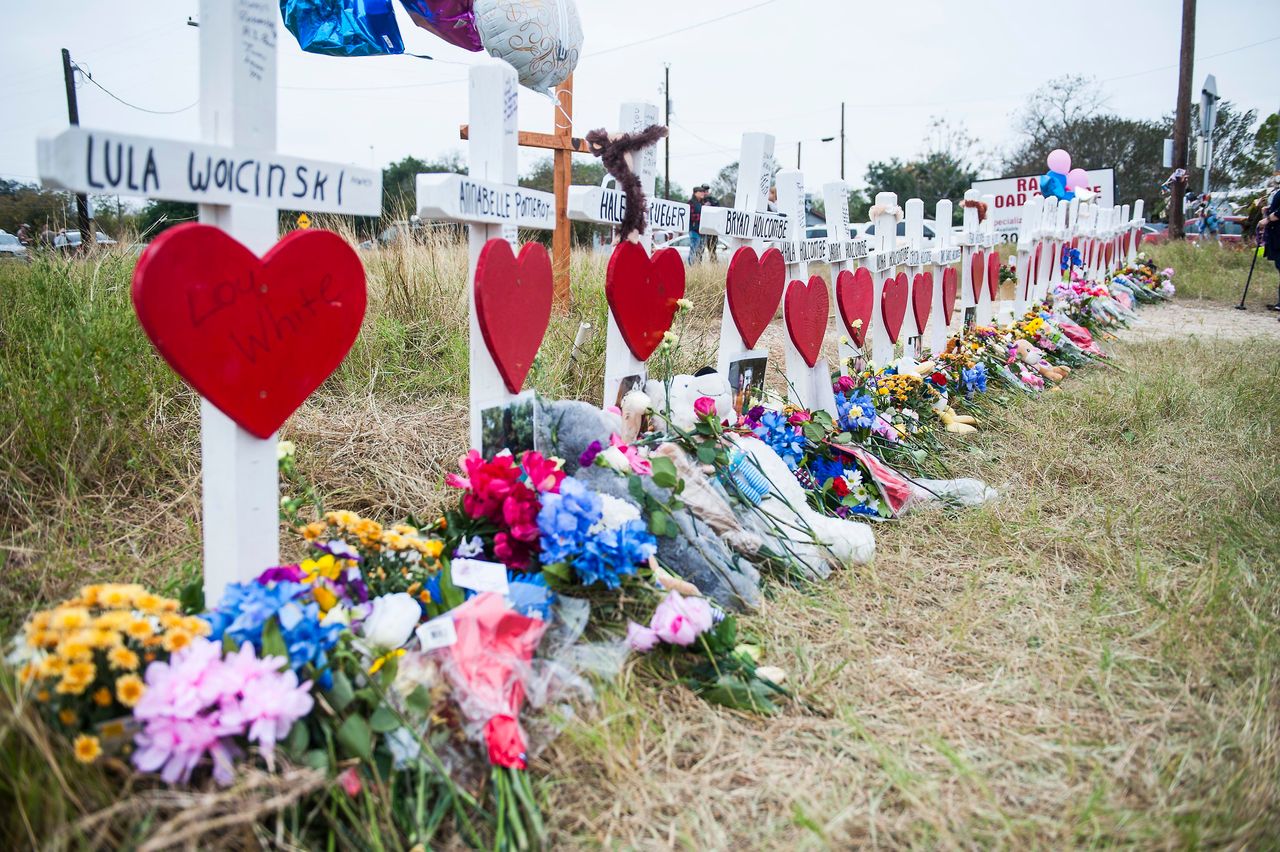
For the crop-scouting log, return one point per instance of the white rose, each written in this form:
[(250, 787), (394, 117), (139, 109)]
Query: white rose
[(392, 621), (614, 512), (616, 459)]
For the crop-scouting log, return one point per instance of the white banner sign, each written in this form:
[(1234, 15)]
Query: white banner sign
[(465, 199), (607, 206), (103, 162), (1011, 193)]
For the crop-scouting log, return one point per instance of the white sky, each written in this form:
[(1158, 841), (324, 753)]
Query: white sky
[(782, 67)]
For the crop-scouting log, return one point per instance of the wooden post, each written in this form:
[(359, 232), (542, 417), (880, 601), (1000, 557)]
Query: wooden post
[(562, 162)]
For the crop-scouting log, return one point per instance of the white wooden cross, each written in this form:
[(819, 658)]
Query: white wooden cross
[(1101, 224), (1135, 229), (919, 262), (970, 244), (988, 239), (1048, 249), (843, 254), (606, 205), (239, 182), (492, 204), (1028, 243), (747, 223), (945, 254), (1061, 238), (1074, 225), (809, 387), (885, 258)]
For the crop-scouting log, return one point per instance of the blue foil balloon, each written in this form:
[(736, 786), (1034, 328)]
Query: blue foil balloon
[(1054, 185), (343, 27)]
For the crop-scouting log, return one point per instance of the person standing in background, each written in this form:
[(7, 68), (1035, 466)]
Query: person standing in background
[(1270, 225), (696, 245)]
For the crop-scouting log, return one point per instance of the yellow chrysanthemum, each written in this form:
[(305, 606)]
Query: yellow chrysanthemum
[(102, 697), (46, 639), (139, 628), (104, 638), (313, 531), (176, 640), (196, 625), (115, 597), (67, 716), (76, 648), (90, 594), (87, 748), (40, 621), (29, 671), (148, 603), (170, 620), (405, 529), (123, 659), (116, 619), (433, 548), (70, 618), (342, 518), (130, 689), (52, 666), (42, 695)]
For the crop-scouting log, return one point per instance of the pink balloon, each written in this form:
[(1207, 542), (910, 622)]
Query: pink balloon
[(1077, 178), (1059, 161)]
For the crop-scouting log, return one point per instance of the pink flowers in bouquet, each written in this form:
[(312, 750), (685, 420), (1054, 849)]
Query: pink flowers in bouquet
[(506, 493), (199, 703), (678, 620)]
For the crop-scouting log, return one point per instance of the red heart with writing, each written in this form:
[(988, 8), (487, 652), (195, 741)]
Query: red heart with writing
[(513, 306), (950, 288), (977, 271), (893, 305), (993, 272), (754, 285), (1111, 252), (921, 299), (806, 314), (254, 337), (856, 298), (642, 292)]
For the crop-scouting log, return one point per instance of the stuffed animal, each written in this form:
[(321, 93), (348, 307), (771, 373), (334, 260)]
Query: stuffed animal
[(685, 390)]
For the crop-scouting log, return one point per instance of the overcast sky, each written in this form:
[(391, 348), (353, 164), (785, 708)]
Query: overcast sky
[(782, 67)]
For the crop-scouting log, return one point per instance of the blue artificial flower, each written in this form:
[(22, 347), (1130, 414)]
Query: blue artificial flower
[(864, 509), (824, 470), (529, 594), (246, 607), (783, 438), (566, 519), (855, 412), (975, 379), (307, 639), (614, 551)]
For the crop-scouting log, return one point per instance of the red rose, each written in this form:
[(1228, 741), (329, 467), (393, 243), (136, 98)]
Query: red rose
[(506, 743), (840, 486), (939, 378)]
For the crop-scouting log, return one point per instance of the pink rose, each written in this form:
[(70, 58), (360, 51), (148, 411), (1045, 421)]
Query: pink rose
[(704, 406), (640, 638), (679, 620)]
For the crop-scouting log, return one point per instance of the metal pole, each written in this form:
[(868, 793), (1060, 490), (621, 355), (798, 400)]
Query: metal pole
[(798, 144), (73, 114), (1182, 117)]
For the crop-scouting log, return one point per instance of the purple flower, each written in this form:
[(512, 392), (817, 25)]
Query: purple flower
[(282, 574), (588, 456)]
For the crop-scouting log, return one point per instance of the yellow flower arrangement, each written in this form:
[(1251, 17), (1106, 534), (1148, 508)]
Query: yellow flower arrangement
[(87, 748)]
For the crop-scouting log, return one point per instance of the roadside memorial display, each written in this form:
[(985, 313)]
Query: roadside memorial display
[(973, 261), (806, 304), (502, 345), (891, 284), (851, 281), (946, 292), (990, 257), (1029, 252), (921, 276), (246, 317)]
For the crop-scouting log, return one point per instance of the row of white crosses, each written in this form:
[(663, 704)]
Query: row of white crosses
[(240, 184)]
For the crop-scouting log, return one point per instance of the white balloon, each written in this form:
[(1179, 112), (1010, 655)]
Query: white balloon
[(541, 39)]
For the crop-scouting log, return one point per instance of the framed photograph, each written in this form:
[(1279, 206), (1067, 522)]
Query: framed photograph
[(508, 426), (626, 386), (746, 380)]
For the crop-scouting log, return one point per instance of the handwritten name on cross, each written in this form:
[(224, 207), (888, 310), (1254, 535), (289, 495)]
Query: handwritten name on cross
[(747, 223), (987, 239), (919, 261), (945, 255), (885, 258), (489, 200), (808, 387), (844, 254), (239, 182)]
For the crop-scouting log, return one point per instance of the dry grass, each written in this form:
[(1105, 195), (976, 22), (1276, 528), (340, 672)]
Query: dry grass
[(1089, 661)]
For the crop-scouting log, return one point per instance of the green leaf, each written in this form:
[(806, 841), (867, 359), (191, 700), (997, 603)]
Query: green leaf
[(707, 453), (658, 523), (340, 695), (636, 489), (383, 721), (273, 640), (750, 696), (420, 699), (317, 758), (355, 738), (814, 431), (559, 570), (191, 597), (298, 740), (452, 595), (664, 472)]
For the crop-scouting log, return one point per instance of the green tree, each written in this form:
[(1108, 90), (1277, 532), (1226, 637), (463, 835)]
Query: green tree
[(582, 173), (399, 181), (724, 189), (159, 215), (39, 208), (944, 169)]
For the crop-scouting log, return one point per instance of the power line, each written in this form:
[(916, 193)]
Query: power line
[(648, 39), (89, 77), (1197, 59)]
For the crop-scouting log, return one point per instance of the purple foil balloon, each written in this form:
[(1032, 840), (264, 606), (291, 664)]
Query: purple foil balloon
[(451, 20)]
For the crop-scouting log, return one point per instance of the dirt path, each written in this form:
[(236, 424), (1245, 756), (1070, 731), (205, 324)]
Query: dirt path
[(1207, 319)]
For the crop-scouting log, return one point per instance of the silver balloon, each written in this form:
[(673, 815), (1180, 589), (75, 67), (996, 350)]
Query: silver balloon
[(541, 39)]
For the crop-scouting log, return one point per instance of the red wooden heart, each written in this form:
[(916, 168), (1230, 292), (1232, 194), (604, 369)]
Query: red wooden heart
[(254, 337), (921, 299), (977, 272), (642, 292), (754, 286), (513, 306), (1111, 251), (893, 305), (950, 284), (993, 272), (856, 298), (806, 314)]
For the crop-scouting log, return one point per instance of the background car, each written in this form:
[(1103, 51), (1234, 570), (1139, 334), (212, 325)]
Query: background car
[(1155, 232), (868, 229), (10, 246), (71, 240), (1232, 229)]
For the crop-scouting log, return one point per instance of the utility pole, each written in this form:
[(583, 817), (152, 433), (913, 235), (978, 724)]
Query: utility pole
[(1182, 118), (1208, 117), (798, 144), (842, 140), (666, 96), (87, 238)]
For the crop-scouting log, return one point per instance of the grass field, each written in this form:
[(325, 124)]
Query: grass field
[(1089, 661)]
